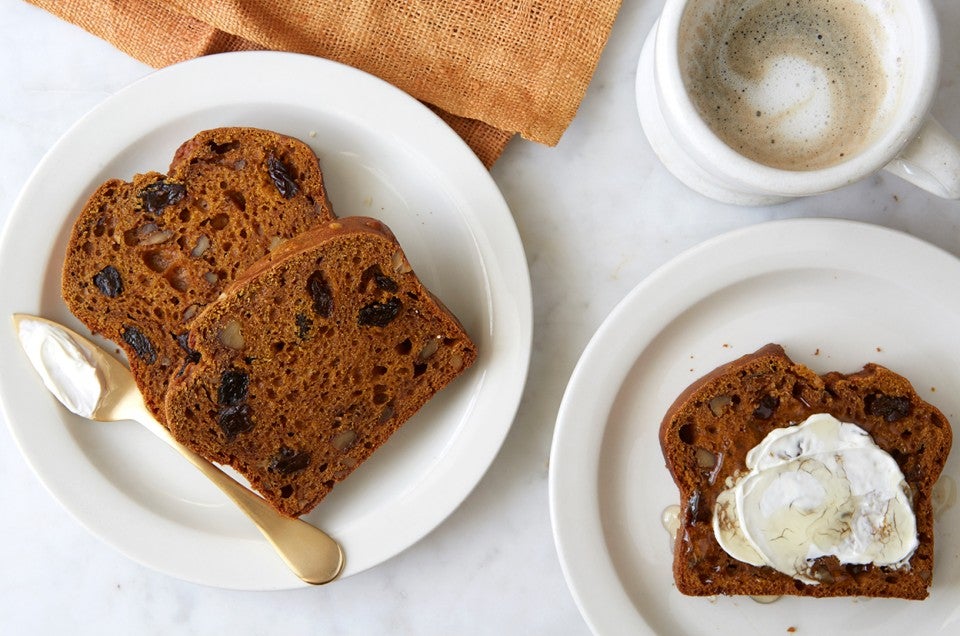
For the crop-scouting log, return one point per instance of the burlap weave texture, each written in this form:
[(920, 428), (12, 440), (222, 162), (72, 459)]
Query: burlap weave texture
[(490, 68)]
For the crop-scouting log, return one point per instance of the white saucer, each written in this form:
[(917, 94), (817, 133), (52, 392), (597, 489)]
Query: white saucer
[(835, 294), (384, 155)]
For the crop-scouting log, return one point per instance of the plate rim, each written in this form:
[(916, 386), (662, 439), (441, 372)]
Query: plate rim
[(573, 492), (506, 276)]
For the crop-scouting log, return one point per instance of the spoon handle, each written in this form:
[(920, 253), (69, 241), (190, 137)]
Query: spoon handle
[(312, 554)]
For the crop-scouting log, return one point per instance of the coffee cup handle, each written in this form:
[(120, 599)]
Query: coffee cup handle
[(931, 161)]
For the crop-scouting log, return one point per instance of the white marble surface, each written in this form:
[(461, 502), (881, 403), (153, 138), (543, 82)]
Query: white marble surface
[(596, 215)]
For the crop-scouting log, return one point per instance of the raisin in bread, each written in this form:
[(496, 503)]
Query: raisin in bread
[(145, 256), (312, 359), (709, 429)]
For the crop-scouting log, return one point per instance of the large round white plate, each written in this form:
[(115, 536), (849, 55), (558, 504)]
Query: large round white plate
[(836, 295), (384, 155)]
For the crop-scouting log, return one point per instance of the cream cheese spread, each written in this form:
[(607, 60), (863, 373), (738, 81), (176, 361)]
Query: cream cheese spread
[(819, 488), (68, 370)]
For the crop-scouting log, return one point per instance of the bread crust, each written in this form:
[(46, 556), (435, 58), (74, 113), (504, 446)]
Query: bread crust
[(731, 409)]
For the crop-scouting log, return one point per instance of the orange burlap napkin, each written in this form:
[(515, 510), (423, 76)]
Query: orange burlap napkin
[(490, 68)]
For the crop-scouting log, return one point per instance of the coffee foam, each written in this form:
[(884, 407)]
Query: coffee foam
[(793, 84)]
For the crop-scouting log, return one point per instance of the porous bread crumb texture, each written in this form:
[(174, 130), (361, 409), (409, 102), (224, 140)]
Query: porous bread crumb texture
[(709, 429), (312, 360), (146, 256)]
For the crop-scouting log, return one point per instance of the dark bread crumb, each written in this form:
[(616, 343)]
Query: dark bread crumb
[(730, 410)]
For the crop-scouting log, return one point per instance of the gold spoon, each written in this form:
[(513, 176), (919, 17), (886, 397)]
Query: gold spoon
[(312, 554)]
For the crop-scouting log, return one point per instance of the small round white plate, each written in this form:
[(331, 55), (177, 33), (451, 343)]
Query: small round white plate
[(384, 155), (836, 295)]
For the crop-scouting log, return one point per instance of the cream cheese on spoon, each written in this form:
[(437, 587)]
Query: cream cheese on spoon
[(817, 489), (68, 370)]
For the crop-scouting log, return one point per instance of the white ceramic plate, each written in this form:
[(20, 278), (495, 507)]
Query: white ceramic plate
[(836, 295), (384, 155)]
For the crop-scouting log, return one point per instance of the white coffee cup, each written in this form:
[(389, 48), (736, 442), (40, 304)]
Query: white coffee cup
[(909, 143)]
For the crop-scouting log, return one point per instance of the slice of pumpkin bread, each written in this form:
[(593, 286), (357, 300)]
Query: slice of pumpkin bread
[(145, 256), (312, 359), (708, 431)]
